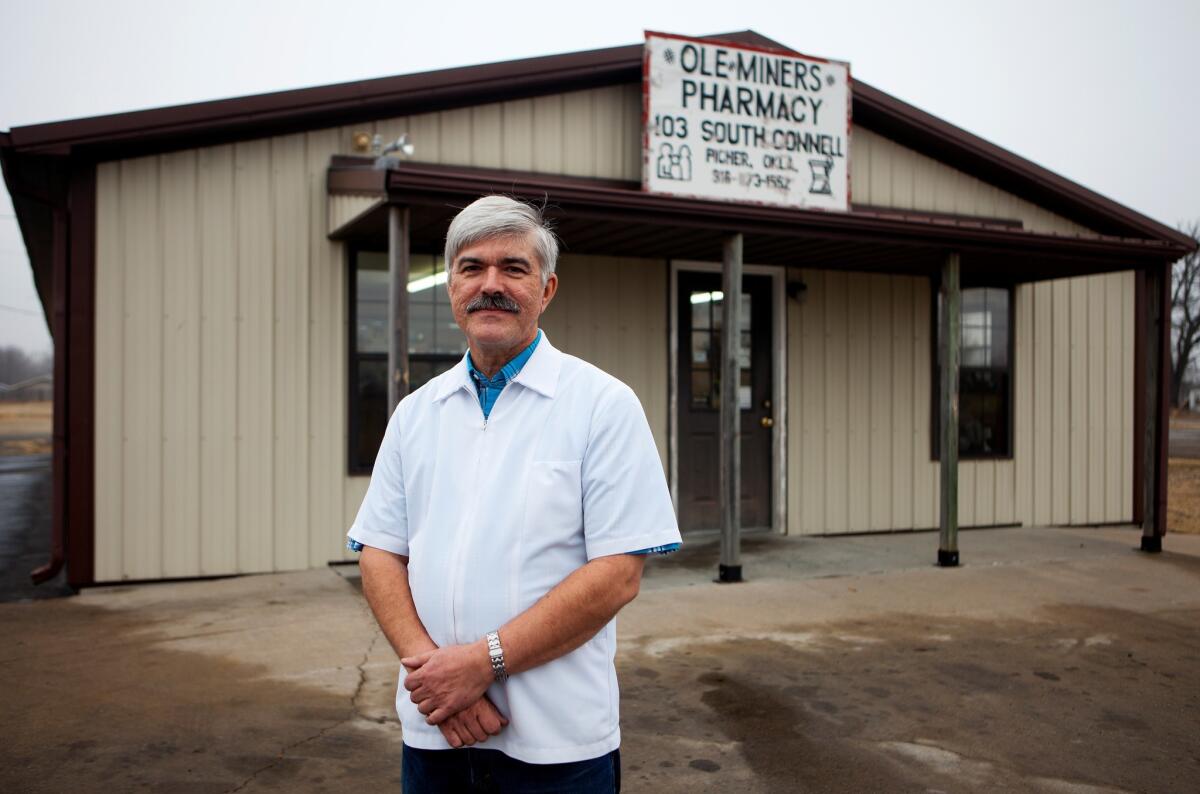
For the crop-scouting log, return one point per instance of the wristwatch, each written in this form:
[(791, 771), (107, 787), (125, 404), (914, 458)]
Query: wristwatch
[(496, 653)]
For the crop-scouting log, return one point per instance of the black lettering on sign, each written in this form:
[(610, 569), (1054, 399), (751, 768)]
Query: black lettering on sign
[(688, 57)]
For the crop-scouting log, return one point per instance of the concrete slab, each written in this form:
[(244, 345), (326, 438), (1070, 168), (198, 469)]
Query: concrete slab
[(1053, 660)]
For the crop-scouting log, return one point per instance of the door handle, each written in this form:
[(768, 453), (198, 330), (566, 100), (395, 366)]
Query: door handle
[(767, 421)]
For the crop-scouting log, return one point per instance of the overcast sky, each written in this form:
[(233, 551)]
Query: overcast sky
[(1104, 93)]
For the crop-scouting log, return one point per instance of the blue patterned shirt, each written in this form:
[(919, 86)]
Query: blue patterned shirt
[(489, 389)]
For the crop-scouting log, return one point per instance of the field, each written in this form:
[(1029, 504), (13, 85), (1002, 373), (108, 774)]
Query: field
[(25, 428)]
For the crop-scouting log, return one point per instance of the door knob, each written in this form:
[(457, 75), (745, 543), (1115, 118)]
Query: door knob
[(767, 421)]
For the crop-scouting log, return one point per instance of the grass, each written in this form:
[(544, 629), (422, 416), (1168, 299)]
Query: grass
[(19, 421)]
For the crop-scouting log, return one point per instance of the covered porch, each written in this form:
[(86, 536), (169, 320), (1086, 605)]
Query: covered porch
[(405, 210)]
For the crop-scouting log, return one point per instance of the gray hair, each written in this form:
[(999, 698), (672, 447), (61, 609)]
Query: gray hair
[(501, 216)]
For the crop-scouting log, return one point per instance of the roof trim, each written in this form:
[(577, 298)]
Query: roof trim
[(206, 123)]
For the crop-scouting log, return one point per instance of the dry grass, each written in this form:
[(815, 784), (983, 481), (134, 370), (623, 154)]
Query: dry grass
[(18, 421), (1183, 495)]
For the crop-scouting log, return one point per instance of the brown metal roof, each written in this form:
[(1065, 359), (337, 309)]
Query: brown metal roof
[(206, 123)]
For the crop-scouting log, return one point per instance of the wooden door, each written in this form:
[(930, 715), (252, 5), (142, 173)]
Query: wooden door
[(700, 334)]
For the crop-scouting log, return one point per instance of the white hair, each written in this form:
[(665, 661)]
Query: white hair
[(501, 216)]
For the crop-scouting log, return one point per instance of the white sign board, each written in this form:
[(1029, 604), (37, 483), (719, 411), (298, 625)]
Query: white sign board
[(737, 123)]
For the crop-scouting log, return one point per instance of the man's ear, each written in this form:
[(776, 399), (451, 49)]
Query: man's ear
[(549, 290)]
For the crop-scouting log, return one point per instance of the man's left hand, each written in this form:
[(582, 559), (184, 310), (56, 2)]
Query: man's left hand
[(444, 681)]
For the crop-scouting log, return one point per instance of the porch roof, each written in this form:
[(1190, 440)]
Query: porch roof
[(609, 217)]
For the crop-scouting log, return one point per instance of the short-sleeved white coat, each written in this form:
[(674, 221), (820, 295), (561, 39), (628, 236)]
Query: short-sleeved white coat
[(493, 514)]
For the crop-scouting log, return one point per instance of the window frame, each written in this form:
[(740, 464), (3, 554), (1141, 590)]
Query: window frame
[(935, 420)]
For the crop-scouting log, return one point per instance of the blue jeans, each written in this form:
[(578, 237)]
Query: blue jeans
[(471, 771)]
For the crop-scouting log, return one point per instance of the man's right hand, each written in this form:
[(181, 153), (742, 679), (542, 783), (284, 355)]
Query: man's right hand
[(473, 724)]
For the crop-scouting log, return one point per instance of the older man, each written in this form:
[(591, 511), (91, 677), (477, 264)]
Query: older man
[(511, 505)]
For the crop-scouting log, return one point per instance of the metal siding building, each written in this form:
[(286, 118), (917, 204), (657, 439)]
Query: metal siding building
[(204, 428)]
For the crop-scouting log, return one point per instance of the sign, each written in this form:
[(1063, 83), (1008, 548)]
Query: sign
[(736, 123)]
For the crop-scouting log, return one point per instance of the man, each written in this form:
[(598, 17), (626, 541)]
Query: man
[(512, 501)]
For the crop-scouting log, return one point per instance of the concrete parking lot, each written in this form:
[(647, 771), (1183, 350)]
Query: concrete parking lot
[(1051, 661)]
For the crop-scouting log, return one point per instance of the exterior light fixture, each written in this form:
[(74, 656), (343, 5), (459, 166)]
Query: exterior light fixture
[(383, 161)]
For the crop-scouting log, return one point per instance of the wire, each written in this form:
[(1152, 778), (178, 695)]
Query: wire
[(22, 311)]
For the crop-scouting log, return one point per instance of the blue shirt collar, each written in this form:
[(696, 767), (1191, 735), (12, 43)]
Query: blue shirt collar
[(509, 370)]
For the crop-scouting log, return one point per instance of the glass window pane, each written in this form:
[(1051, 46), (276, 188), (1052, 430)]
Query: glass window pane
[(701, 388), (744, 319), (371, 311), (700, 310), (702, 343), (369, 410), (420, 328)]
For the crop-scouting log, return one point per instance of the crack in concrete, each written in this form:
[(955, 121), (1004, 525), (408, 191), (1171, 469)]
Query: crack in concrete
[(354, 713)]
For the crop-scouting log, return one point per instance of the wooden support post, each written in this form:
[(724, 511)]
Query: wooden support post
[(730, 568), (398, 263), (948, 409), (1157, 363)]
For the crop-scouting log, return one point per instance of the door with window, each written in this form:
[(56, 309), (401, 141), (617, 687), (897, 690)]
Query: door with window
[(701, 304)]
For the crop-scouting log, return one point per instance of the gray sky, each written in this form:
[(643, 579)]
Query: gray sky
[(1104, 93)]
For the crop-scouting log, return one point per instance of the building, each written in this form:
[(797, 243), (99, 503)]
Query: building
[(217, 276)]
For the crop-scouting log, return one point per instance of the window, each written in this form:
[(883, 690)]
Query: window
[(984, 375), (435, 343), (707, 314)]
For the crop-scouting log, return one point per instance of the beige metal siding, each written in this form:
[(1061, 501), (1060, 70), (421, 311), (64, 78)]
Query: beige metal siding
[(221, 340), (859, 402)]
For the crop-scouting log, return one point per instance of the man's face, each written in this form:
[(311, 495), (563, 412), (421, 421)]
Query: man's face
[(496, 292)]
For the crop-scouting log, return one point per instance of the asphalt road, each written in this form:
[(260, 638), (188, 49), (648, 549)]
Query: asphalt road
[(25, 482)]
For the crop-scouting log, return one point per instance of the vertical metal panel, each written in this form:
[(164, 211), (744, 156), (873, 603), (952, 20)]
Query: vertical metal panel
[(836, 417), (579, 134), (518, 135), (142, 356), (609, 141), (425, 130), (1024, 454), (1127, 386), (904, 376), (1043, 345), (326, 385), (882, 393), (180, 365), (1097, 397), (1114, 382), (794, 391), (1079, 401), (860, 170), (1060, 408), (110, 374), (813, 430), (631, 122), (218, 357), (925, 481), (455, 138), (256, 331), (548, 141), (880, 178), (289, 354), (859, 487), (487, 136)]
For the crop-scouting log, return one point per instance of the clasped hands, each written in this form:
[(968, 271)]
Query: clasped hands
[(448, 685)]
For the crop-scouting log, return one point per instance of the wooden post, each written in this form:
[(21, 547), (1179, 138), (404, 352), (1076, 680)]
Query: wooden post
[(730, 567), (948, 345), (398, 261), (1156, 359)]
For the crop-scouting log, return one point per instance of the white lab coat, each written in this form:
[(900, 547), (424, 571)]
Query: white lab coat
[(493, 514)]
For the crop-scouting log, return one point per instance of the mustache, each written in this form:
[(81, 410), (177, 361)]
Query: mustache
[(496, 301)]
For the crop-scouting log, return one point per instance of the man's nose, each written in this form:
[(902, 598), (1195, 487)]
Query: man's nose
[(492, 281)]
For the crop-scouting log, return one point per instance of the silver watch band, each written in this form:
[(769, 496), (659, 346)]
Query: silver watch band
[(496, 653)]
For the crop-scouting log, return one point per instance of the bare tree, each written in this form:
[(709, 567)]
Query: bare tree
[(17, 365), (1185, 314)]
